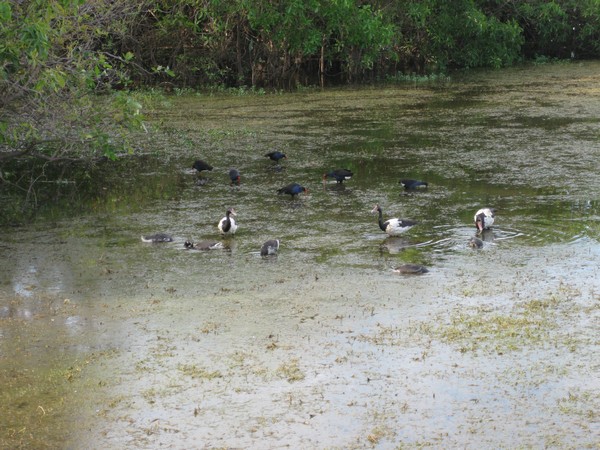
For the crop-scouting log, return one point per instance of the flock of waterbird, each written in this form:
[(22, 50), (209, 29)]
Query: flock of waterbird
[(483, 218)]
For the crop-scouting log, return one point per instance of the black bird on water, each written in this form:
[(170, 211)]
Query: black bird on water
[(409, 184), (276, 156), (292, 189), (201, 165), (234, 176), (339, 174)]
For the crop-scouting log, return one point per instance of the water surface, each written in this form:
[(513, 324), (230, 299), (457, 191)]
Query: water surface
[(107, 342)]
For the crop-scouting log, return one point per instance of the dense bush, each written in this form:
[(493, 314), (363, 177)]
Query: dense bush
[(284, 43), (569, 28)]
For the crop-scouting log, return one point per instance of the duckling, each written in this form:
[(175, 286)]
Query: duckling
[(158, 237), (475, 242), (411, 269), (204, 245), (270, 247)]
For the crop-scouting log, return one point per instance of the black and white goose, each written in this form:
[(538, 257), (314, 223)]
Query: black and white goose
[(270, 247), (394, 226), (227, 224), (484, 218)]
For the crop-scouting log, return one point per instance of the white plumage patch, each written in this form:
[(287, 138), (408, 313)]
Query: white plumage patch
[(232, 228), (488, 217), (395, 227)]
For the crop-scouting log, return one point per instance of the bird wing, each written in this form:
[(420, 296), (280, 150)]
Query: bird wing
[(224, 225), (406, 223)]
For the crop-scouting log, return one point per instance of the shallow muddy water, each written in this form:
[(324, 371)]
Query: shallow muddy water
[(108, 342)]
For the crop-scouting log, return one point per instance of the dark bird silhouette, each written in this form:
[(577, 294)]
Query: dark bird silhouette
[(484, 218), (339, 174), (276, 156), (393, 227), (412, 184), (234, 176), (475, 242), (201, 165), (227, 224), (411, 269), (204, 245), (158, 237), (292, 189), (270, 247)]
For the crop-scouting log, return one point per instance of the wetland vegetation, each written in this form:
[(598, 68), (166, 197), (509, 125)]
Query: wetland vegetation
[(109, 342)]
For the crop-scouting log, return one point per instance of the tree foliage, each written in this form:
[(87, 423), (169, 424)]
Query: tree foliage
[(53, 66), (561, 29)]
